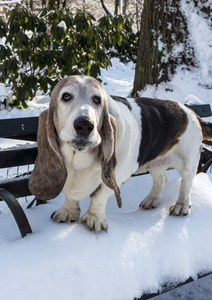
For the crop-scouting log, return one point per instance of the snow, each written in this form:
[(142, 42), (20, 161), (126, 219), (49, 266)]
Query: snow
[(10, 2), (142, 251), (3, 92), (200, 38), (191, 100), (198, 289), (62, 24), (109, 10)]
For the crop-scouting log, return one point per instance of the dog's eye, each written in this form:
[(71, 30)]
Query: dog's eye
[(96, 99), (67, 97)]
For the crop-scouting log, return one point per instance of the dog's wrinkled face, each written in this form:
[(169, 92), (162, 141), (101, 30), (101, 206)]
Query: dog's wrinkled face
[(80, 103)]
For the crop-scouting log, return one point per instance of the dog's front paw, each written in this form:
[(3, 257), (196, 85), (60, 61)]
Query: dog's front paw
[(95, 223), (64, 215), (180, 209), (149, 202)]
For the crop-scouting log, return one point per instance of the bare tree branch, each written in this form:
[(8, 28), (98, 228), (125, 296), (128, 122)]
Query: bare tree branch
[(105, 8)]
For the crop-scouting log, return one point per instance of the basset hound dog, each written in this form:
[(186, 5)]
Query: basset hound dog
[(90, 143)]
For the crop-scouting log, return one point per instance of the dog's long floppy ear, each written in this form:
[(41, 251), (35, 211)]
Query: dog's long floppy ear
[(49, 174), (108, 154)]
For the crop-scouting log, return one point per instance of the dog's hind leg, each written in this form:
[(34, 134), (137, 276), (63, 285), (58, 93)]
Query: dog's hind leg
[(186, 166), (186, 159), (159, 180), (183, 203)]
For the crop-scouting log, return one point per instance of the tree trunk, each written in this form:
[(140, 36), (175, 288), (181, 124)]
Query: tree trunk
[(162, 43), (126, 3), (116, 7)]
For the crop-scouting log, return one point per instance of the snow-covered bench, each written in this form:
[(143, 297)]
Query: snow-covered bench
[(13, 187), (203, 110)]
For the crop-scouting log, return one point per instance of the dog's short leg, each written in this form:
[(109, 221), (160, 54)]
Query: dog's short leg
[(183, 203), (95, 218), (68, 213), (186, 162), (159, 180)]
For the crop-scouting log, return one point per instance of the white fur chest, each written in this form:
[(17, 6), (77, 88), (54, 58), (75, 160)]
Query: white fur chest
[(84, 172)]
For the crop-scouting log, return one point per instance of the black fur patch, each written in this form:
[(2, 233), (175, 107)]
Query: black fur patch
[(163, 122)]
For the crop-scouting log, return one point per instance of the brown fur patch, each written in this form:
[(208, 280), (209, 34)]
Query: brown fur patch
[(163, 122), (206, 128), (108, 155), (49, 174)]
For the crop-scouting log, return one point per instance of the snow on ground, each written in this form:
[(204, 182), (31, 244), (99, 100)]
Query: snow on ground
[(142, 251)]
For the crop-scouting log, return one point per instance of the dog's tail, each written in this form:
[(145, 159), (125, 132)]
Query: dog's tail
[(206, 131)]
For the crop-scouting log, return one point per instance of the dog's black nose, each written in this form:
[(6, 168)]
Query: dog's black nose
[(83, 126)]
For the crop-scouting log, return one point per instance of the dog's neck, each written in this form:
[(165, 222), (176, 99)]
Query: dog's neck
[(78, 160)]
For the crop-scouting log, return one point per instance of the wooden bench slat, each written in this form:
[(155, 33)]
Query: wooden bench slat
[(19, 128), (18, 157), (17, 186), (202, 110)]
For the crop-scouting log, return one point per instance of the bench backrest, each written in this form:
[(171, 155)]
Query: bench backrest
[(20, 129)]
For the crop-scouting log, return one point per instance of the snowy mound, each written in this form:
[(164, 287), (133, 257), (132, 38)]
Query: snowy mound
[(141, 251)]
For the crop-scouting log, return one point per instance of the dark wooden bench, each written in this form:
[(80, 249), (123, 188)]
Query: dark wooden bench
[(17, 186)]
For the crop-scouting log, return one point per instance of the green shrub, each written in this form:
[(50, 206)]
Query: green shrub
[(119, 37), (42, 49)]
